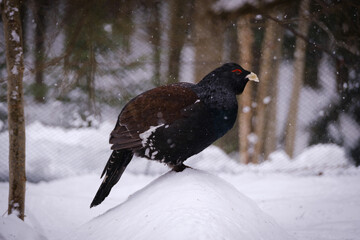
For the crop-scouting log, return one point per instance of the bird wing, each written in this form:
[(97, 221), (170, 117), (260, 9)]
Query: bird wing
[(151, 109)]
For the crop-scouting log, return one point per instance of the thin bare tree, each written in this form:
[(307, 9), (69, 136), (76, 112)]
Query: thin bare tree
[(271, 140), (208, 39), (155, 29), (268, 78), (299, 66), (39, 88), (245, 42), (15, 68), (179, 18)]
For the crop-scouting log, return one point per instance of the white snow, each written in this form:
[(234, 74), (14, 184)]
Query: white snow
[(307, 207), (11, 11), (267, 100), (350, 129), (108, 28), (15, 36), (187, 205), (233, 5), (246, 109), (14, 94), (18, 55), (12, 227), (230, 5), (14, 70)]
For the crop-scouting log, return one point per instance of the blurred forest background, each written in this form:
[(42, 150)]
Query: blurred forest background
[(85, 59)]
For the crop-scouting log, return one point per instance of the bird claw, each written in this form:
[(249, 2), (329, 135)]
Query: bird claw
[(180, 167)]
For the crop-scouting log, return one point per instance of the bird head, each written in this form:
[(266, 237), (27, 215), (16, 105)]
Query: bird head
[(230, 75), (237, 76)]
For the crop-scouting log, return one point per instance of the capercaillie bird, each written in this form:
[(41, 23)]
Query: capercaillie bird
[(171, 123)]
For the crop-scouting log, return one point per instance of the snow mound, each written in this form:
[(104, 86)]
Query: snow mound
[(187, 205), (323, 155), (12, 228), (314, 160)]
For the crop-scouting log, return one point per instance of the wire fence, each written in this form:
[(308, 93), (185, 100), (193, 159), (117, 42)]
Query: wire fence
[(89, 73)]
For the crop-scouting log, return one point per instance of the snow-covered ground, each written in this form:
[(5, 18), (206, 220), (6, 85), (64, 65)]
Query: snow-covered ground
[(314, 196), (187, 205), (307, 207)]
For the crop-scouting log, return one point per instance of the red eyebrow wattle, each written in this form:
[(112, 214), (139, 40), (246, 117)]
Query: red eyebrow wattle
[(237, 70)]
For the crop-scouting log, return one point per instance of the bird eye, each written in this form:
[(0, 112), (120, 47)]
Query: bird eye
[(237, 71)]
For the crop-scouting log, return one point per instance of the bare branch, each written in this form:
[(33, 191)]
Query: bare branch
[(340, 44), (263, 9), (56, 60)]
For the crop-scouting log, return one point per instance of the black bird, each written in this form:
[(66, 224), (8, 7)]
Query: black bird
[(171, 123)]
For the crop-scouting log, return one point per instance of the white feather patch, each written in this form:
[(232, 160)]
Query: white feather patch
[(145, 135)]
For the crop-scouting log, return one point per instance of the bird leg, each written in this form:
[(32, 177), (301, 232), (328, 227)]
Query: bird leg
[(179, 167)]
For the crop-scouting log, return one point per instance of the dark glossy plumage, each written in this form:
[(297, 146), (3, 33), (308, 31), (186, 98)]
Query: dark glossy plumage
[(171, 123)]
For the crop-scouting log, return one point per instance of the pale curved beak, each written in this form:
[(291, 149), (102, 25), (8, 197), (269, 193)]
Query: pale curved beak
[(252, 77)]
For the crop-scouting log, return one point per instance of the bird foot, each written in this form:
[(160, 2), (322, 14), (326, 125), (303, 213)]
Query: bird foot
[(180, 167)]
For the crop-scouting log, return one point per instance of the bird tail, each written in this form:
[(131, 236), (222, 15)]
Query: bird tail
[(114, 168)]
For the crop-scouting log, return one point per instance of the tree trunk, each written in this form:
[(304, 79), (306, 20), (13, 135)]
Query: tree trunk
[(245, 42), (299, 64), (177, 35), (263, 98), (39, 88), (154, 27), (15, 68), (208, 39), (342, 76), (270, 133), (90, 72), (232, 42), (230, 141)]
